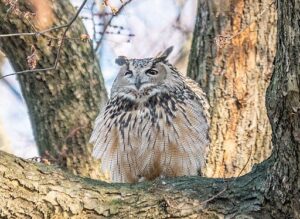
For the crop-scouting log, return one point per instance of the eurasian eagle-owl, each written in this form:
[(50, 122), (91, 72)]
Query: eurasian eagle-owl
[(155, 123)]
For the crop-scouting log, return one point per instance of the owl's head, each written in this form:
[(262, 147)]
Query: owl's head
[(143, 78)]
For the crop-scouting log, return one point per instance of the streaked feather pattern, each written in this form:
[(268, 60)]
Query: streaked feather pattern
[(159, 130)]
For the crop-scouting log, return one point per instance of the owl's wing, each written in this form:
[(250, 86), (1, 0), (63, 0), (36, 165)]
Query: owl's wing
[(194, 87), (111, 146), (191, 127), (97, 138)]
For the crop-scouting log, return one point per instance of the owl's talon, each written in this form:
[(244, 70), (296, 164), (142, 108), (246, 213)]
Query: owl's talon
[(142, 179)]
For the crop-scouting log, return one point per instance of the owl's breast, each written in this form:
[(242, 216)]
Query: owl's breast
[(165, 135), (169, 137)]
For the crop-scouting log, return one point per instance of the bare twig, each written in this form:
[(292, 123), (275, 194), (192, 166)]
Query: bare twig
[(93, 20), (38, 33), (67, 26), (109, 22), (65, 32)]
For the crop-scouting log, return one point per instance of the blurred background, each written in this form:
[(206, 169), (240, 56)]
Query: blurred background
[(139, 29)]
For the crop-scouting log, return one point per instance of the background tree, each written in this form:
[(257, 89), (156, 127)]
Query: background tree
[(62, 103), (232, 59)]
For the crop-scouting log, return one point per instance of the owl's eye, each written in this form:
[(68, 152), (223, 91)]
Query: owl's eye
[(151, 72), (128, 73)]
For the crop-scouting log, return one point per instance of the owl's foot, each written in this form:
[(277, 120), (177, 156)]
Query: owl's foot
[(142, 179)]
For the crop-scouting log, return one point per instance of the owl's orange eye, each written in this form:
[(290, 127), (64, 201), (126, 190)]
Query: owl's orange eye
[(151, 72), (128, 73)]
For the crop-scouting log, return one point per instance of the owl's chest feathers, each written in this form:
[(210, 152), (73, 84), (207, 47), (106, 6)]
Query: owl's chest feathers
[(165, 123), (162, 135), (158, 109)]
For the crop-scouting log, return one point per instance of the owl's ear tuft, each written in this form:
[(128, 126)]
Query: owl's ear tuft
[(162, 56), (121, 60)]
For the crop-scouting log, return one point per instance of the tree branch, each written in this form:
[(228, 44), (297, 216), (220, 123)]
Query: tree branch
[(46, 191), (109, 22)]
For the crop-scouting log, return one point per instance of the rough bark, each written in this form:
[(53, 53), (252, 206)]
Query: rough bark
[(30, 190), (63, 103), (283, 105), (235, 74)]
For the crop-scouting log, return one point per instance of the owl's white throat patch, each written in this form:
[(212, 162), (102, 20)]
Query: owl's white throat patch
[(141, 95)]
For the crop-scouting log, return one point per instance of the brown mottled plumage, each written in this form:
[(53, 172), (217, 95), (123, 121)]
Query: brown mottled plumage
[(155, 123)]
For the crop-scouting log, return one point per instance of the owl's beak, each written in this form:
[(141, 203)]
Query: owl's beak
[(138, 83)]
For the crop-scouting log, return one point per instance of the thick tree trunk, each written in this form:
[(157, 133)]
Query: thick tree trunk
[(270, 190), (283, 105), (63, 103), (231, 58)]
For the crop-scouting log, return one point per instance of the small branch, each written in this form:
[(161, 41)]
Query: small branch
[(67, 26), (29, 71), (108, 24), (214, 197), (65, 32), (33, 33), (93, 20)]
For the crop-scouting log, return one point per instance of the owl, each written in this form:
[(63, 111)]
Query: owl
[(155, 123)]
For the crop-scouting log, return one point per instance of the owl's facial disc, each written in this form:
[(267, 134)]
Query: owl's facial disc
[(139, 83), (139, 79)]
